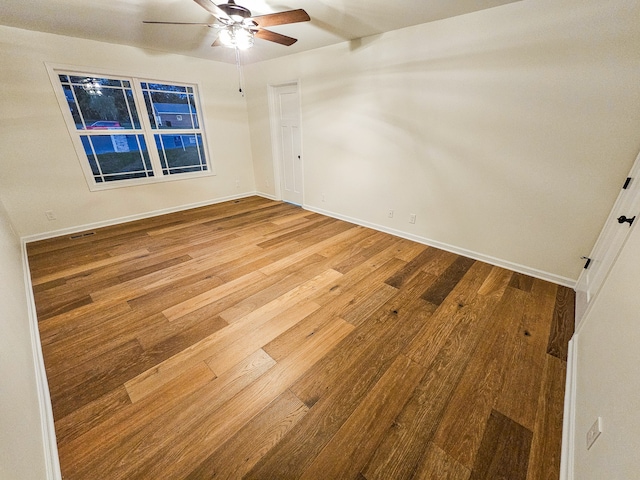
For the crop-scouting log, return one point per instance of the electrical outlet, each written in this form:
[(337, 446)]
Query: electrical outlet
[(323, 198), (266, 183), (50, 215), (594, 432), (412, 218), (390, 214), (237, 183)]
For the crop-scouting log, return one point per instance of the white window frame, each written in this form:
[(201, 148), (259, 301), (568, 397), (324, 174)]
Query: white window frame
[(145, 126)]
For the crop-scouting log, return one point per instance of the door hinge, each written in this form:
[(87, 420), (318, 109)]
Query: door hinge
[(626, 183), (586, 264)]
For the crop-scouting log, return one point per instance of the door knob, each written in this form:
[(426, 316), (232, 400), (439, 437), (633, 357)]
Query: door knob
[(623, 219)]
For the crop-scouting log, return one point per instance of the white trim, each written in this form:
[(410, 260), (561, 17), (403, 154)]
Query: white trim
[(131, 218), (605, 251), (533, 272), (268, 196), (50, 447), (569, 418), (275, 150)]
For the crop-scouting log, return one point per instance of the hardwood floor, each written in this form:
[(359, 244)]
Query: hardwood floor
[(253, 339)]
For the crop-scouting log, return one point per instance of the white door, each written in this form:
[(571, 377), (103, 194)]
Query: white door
[(288, 147), (610, 242)]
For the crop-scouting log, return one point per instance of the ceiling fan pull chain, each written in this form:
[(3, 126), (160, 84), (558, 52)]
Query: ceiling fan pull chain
[(239, 71)]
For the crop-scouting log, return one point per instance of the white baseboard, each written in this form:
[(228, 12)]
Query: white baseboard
[(550, 277), (267, 195), (569, 416), (52, 463)]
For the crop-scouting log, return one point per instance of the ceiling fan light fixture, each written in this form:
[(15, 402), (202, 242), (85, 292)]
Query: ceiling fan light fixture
[(236, 36)]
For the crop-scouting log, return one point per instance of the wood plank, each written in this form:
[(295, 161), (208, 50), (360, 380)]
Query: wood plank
[(344, 303), (544, 461), (438, 465), (311, 265), (335, 386), (58, 328), (526, 357), (241, 452), (464, 419), (272, 292), (504, 452), (404, 446), (297, 256), (364, 308), (67, 272), (153, 335), (229, 355), (220, 425), (124, 445), (448, 280), (464, 305), (412, 268), (562, 324), (148, 381), (209, 296), (393, 325), (521, 282), (93, 413), (62, 305), (355, 441), (85, 383), (84, 346)]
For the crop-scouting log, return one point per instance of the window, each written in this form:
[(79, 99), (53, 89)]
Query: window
[(130, 131)]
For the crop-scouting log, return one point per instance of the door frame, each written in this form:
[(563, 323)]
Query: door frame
[(627, 203), (276, 152)]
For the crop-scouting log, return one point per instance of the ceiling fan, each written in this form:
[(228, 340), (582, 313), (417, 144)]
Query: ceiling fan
[(237, 28)]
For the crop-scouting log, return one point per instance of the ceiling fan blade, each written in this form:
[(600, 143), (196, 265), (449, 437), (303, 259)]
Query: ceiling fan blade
[(213, 9), (275, 37), (178, 23), (282, 18)]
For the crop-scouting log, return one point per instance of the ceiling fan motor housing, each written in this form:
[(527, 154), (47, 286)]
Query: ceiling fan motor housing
[(235, 11)]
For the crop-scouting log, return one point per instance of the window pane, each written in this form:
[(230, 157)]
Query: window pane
[(165, 87), (117, 157), (132, 108), (170, 107), (95, 82), (100, 103), (73, 107), (181, 153), (108, 110)]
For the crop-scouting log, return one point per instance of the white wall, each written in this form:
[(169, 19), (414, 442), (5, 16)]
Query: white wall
[(21, 445), (39, 168), (508, 131), (608, 374)]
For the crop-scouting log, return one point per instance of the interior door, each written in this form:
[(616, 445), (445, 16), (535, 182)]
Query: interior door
[(289, 150), (610, 242)]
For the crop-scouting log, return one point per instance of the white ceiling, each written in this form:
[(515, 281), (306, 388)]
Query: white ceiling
[(120, 21)]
